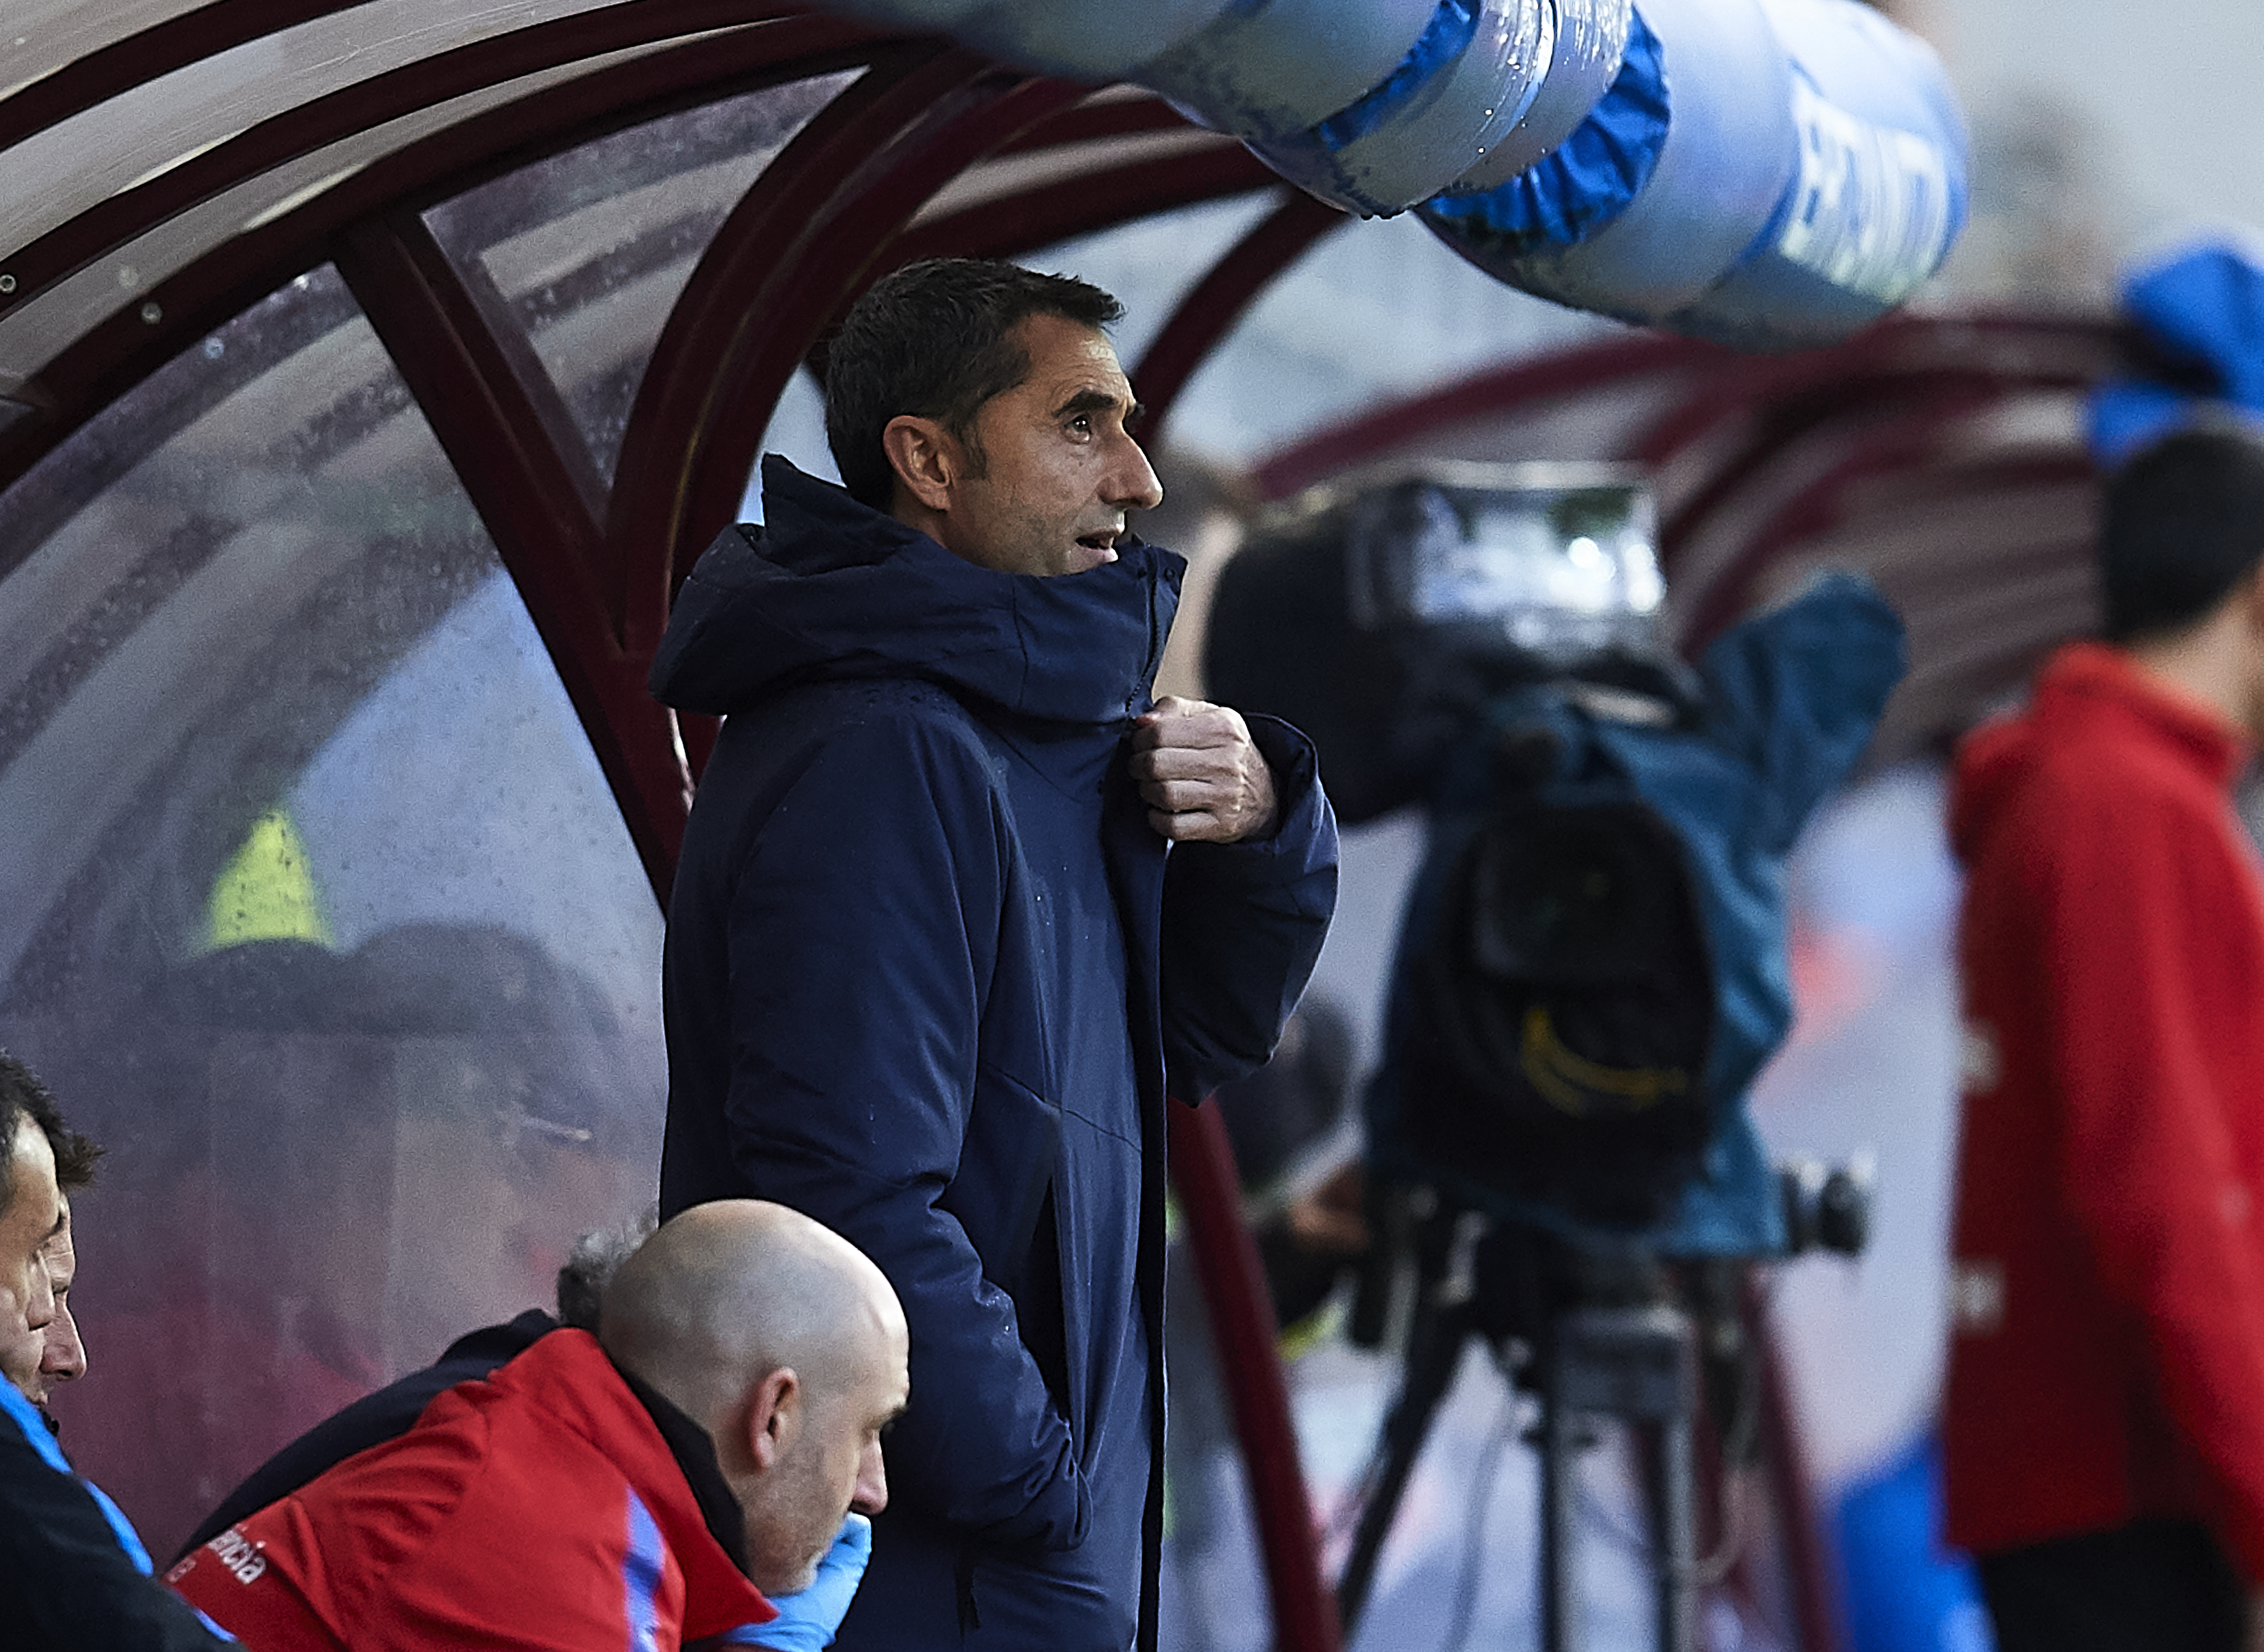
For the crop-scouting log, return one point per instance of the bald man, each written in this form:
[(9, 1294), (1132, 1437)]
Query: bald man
[(688, 1472)]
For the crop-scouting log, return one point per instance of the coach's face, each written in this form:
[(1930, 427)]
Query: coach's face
[(1057, 471)]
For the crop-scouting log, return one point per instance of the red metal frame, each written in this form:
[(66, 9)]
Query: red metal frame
[(144, 55), (1726, 385), (1921, 434), (1488, 394), (1749, 411), (1096, 118), (1243, 1328)]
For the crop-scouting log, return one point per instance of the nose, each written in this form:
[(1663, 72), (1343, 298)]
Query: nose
[(871, 1495), (1132, 481), (65, 1358)]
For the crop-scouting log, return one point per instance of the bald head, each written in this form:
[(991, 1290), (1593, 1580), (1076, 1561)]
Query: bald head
[(787, 1344), (728, 1290)]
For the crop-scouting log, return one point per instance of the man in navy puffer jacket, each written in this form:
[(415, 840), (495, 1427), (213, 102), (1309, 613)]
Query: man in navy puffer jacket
[(958, 905)]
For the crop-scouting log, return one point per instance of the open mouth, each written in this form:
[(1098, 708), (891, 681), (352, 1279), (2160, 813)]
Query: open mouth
[(1105, 542)]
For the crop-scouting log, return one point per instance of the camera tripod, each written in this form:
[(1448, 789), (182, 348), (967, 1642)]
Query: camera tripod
[(1591, 1335)]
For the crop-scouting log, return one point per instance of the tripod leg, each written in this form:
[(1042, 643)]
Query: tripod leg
[(1435, 1347), (1673, 1494), (1560, 1498)]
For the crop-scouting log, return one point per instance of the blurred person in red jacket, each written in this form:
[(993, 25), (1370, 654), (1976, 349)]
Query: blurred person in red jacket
[(687, 1472), (2104, 1424)]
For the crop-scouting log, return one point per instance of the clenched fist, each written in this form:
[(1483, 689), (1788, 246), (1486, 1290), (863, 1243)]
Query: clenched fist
[(1202, 776)]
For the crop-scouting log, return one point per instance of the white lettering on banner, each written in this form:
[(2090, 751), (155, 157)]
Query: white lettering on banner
[(1872, 211), (239, 1554)]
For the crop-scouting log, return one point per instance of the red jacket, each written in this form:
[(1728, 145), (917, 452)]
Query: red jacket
[(2107, 1359), (540, 1508)]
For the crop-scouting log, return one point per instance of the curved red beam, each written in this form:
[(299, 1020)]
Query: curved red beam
[(1243, 1330), (1486, 395), (147, 53)]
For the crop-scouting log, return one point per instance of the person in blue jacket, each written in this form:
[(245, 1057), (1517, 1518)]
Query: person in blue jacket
[(958, 906), (73, 1572)]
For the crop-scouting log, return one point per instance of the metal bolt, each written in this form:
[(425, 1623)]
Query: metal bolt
[(7, 283), (152, 314)]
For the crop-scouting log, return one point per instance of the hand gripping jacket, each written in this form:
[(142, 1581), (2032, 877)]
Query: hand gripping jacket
[(1768, 173)]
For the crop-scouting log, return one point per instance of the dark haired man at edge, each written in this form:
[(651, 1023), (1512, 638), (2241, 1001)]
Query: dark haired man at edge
[(73, 1572), (2104, 1425), (958, 905), (36, 1361)]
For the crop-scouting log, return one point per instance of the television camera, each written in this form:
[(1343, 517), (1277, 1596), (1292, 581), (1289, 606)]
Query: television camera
[(1591, 967)]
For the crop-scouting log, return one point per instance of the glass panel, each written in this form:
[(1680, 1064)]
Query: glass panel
[(1151, 264), (591, 248), (33, 331), (58, 173), (317, 910)]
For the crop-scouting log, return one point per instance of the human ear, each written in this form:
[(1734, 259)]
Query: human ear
[(924, 457), (774, 1417)]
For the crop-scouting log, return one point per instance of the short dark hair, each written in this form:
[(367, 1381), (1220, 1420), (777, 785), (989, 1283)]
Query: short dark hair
[(23, 1096), (934, 339), (2184, 523)]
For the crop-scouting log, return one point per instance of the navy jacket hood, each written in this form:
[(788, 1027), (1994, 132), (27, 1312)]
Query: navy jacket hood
[(833, 588)]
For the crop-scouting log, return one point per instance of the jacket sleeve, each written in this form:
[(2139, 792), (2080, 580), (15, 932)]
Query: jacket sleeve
[(2135, 908), (1243, 923), (66, 1581), (863, 930)]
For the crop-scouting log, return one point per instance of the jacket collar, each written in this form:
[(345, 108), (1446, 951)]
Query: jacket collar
[(695, 1454), (2095, 672), (828, 588), (567, 1374)]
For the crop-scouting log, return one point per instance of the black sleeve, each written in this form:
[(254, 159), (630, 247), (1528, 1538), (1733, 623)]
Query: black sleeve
[(65, 1583)]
